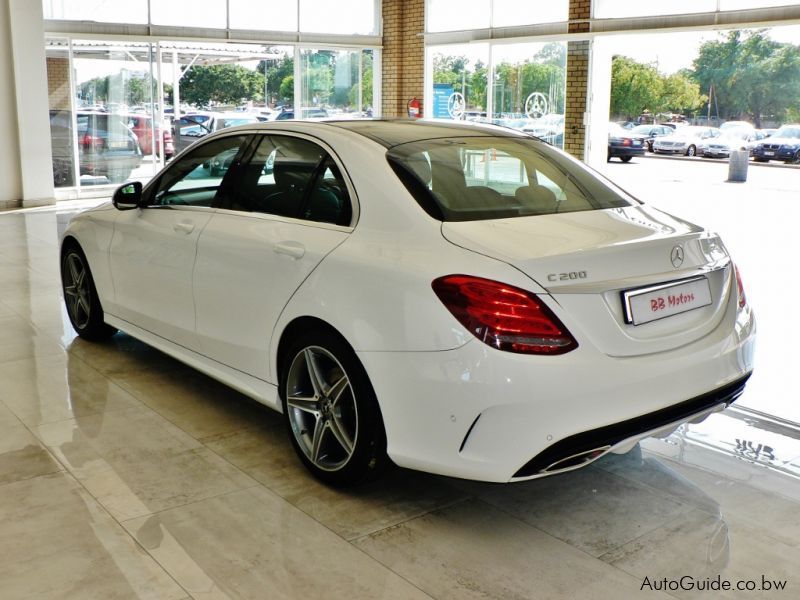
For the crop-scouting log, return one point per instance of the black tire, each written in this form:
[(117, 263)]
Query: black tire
[(354, 410), (761, 160), (691, 150), (626, 159), (80, 296)]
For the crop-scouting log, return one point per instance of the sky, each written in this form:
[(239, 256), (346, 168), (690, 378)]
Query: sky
[(674, 51)]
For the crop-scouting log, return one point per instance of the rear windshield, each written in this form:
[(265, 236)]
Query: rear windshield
[(478, 178)]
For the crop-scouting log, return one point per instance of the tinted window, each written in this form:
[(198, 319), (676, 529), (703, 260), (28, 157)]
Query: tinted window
[(196, 179), (293, 177), (474, 178)]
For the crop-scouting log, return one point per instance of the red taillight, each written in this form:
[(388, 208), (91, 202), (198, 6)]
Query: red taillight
[(503, 316), (626, 142), (740, 288), (90, 141)]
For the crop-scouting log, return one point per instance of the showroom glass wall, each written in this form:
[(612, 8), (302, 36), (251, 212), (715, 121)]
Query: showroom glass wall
[(514, 83), (121, 105)]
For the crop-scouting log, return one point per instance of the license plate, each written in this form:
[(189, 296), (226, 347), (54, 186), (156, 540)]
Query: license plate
[(637, 143), (117, 145), (769, 153), (658, 302)]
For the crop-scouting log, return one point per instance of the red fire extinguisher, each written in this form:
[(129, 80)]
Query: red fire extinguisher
[(414, 109)]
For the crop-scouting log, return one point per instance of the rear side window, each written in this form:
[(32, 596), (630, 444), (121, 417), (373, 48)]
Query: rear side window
[(476, 178)]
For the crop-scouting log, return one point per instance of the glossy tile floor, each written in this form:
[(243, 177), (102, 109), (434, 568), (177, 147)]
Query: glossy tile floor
[(124, 474)]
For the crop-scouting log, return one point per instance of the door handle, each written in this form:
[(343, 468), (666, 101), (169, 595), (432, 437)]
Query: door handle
[(293, 249), (184, 227)]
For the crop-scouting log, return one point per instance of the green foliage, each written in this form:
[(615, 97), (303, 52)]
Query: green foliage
[(513, 81), (277, 72), (638, 87), (126, 87), (221, 84), (752, 75)]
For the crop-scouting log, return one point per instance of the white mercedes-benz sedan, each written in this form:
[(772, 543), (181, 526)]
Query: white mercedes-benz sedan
[(458, 299)]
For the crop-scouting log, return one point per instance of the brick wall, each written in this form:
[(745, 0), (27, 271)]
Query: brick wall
[(403, 54), (58, 82), (577, 81)]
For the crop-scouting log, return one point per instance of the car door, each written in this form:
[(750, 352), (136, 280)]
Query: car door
[(153, 249), (291, 207)]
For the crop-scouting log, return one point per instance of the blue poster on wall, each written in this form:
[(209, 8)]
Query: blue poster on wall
[(441, 94)]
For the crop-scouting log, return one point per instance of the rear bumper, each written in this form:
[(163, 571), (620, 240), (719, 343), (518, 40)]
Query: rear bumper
[(478, 413), (582, 448), (619, 151)]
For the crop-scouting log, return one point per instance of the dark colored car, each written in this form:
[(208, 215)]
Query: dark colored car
[(783, 145), (623, 145), (106, 146), (650, 132)]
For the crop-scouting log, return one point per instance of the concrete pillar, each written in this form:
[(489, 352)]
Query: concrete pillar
[(575, 114), (403, 72), (10, 181), (29, 83)]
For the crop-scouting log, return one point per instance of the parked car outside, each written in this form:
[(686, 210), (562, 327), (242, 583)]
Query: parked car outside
[(684, 140), (622, 144), (142, 126), (650, 132), (472, 322), (106, 146), (721, 146), (783, 145), (193, 126), (549, 128)]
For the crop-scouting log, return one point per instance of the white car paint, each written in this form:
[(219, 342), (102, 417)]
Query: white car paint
[(217, 288)]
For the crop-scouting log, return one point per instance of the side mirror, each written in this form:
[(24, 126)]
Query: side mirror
[(128, 196)]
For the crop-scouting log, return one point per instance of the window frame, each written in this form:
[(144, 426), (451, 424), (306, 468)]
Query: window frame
[(153, 186), (245, 159)]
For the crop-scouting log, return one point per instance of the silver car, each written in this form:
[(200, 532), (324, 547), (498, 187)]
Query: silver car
[(685, 140)]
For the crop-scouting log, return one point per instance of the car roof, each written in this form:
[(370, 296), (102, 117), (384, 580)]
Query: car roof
[(392, 132)]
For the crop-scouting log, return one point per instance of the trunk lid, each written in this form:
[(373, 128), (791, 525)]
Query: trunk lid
[(586, 260)]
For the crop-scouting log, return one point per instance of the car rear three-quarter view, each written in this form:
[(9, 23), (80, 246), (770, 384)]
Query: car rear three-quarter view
[(460, 299)]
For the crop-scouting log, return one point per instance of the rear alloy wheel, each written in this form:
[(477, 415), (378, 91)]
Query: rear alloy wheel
[(331, 411), (80, 295), (691, 151)]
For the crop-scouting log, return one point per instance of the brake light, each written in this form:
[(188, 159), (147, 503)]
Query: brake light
[(626, 142), (503, 316), (90, 141), (740, 288)]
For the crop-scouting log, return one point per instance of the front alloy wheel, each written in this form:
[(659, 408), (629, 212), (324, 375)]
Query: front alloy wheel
[(80, 296), (331, 411), (691, 151)]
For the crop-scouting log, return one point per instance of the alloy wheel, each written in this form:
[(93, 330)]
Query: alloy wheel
[(77, 290), (322, 408)]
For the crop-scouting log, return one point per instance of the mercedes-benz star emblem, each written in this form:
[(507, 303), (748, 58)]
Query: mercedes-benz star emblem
[(676, 256)]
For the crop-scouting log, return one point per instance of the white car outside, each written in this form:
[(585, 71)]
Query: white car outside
[(460, 299), (685, 140)]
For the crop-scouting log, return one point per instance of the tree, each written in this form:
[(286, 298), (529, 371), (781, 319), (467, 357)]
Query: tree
[(751, 75), (221, 84), (680, 95), (635, 87), (277, 70), (286, 89)]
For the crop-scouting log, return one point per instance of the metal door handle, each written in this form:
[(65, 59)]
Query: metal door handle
[(184, 227), (293, 249)]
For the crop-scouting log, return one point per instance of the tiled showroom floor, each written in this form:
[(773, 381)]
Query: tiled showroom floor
[(124, 474)]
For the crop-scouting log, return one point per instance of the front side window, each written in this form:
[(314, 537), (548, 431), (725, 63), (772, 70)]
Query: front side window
[(196, 179), (476, 178), (293, 177)]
